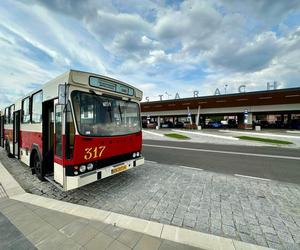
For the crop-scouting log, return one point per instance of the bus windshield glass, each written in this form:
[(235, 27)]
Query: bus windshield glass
[(105, 116)]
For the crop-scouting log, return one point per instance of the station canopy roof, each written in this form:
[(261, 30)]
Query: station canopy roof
[(270, 97)]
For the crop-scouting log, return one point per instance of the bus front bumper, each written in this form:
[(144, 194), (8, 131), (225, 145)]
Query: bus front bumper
[(84, 179)]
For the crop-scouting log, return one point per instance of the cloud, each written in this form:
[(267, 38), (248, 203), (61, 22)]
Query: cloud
[(132, 44), (194, 23), (283, 68), (36, 57), (266, 12), (75, 8), (158, 46), (255, 55), (110, 24)]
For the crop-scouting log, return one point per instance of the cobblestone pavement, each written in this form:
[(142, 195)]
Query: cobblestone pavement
[(254, 211)]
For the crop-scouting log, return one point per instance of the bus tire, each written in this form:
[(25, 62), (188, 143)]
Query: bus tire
[(37, 165)]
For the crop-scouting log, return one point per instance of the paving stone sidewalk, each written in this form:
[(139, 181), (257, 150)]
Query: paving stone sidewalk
[(253, 211), (10, 236), (41, 228)]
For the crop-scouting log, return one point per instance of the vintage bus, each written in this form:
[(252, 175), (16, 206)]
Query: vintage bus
[(76, 129)]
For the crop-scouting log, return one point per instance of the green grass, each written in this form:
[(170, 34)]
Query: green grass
[(250, 138), (177, 136)]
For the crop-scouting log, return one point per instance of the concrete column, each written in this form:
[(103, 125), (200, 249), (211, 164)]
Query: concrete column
[(289, 121), (198, 116), (248, 118), (189, 115), (203, 120), (158, 122), (240, 120), (248, 121)]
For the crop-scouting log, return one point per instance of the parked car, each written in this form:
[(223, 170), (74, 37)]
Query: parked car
[(144, 124), (264, 124), (152, 125), (295, 124), (167, 124), (232, 123), (224, 123), (188, 125), (178, 125), (215, 124), (276, 124)]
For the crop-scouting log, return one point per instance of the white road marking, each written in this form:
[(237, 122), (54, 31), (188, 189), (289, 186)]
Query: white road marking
[(252, 177), (152, 133), (151, 162), (200, 169), (293, 132), (209, 135), (225, 152), (261, 134)]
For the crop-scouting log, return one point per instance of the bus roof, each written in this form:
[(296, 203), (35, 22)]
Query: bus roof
[(75, 78)]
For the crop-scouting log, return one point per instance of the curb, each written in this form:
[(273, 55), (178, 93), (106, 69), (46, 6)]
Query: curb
[(262, 134), (163, 231), (10, 185), (207, 134)]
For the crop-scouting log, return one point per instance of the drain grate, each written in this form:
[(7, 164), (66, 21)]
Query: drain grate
[(3, 194)]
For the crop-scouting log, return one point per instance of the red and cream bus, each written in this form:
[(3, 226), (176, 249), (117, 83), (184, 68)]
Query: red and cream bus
[(76, 129)]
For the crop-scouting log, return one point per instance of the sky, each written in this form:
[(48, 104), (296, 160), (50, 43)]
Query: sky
[(163, 47)]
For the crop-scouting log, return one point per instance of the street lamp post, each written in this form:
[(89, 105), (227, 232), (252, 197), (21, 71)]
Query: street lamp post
[(226, 85)]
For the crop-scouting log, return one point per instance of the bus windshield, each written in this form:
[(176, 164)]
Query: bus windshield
[(105, 116)]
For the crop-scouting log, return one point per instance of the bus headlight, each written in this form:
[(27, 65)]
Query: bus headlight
[(75, 172), (90, 166), (138, 154), (134, 155), (82, 168)]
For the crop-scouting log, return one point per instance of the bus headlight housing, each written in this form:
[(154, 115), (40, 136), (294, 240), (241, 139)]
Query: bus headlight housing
[(82, 168), (90, 166)]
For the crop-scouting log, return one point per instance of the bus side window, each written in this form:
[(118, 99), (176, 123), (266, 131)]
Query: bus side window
[(11, 113), (37, 100), (26, 111), (58, 130), (6, 116)]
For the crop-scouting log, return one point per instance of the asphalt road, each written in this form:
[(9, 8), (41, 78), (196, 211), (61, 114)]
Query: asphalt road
[(270, 163)]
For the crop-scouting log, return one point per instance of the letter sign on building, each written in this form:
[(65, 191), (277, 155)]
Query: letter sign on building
[(217, 92), (242, 88), (177, 96), (271, 86)]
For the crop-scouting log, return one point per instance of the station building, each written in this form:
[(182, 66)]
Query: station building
[(278, 108)]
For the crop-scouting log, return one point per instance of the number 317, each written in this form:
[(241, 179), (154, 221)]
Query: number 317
[(92, 153)]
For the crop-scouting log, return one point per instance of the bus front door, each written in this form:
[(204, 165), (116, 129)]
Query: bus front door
[(2, 131), (48, 137), (16, 134)]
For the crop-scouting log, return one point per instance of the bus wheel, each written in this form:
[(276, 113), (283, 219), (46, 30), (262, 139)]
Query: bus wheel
[(37, 166)]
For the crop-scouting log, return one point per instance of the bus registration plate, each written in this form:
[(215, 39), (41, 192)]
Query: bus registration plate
[(119, 169)]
